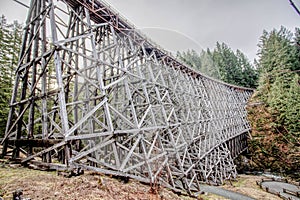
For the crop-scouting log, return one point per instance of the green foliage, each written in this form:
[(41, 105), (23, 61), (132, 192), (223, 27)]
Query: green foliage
[(191, 57), (248, 73), (292, 114), (234, 68), (223, 64), (202, 62), (278, 56), (227, 62), (279, 65), (209, 67), (279, 89), (10, 41)]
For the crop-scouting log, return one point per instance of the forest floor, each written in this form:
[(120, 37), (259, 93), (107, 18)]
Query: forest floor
[(40, 185)]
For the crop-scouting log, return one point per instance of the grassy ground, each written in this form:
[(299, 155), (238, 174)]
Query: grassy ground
[(48, 185)]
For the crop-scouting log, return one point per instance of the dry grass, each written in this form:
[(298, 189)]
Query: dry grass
[(48, 185)]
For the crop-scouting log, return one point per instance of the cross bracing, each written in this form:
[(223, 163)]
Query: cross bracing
[(93, 92)]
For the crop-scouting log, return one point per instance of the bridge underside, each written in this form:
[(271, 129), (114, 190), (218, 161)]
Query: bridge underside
[(101, 96)]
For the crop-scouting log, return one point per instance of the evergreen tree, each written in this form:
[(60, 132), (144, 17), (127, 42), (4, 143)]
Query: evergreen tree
[(249, 73), (277, 56), (10, 41), (209, 67), (278, 64), (191, 58), (279, 90), (227, 62), (202, 62), (292, 121), (223, 64)]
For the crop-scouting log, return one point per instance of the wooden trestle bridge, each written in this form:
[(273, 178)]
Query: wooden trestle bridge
[(93, 92)]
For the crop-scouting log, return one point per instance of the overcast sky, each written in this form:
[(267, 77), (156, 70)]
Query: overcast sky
[(195, 24)]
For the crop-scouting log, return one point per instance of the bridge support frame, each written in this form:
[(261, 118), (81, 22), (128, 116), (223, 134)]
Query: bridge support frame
[(99, 95)]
